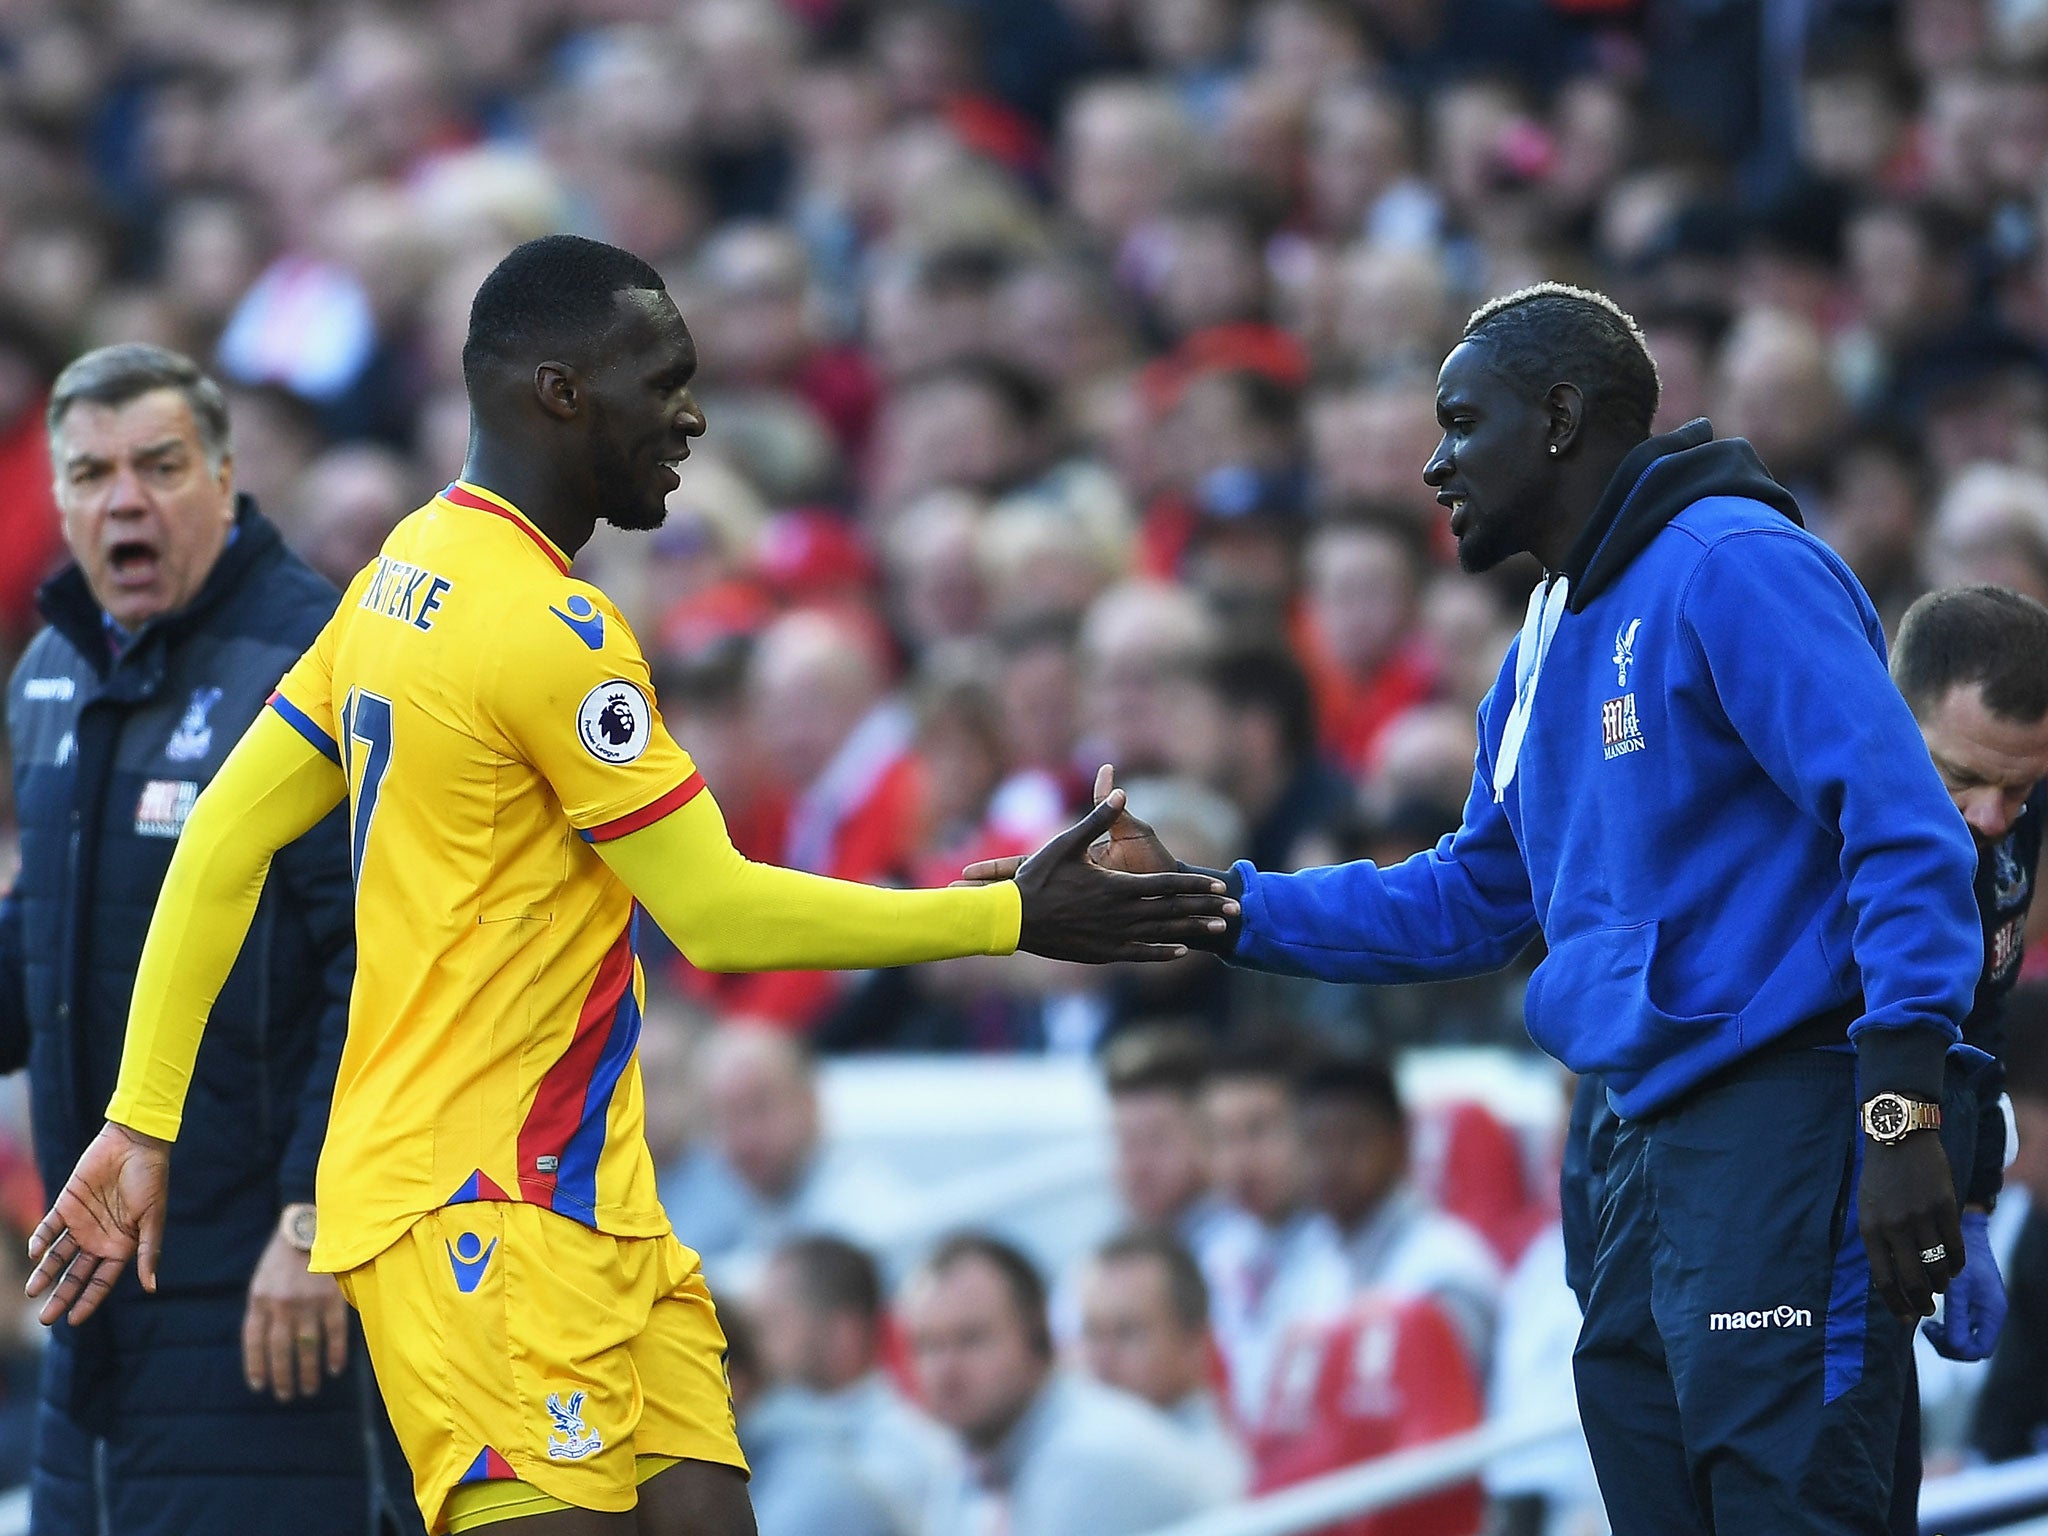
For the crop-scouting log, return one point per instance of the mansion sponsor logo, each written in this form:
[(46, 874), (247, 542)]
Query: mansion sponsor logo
[(1769, 1317), (163, 807), (2007, 944), (1619, 731)]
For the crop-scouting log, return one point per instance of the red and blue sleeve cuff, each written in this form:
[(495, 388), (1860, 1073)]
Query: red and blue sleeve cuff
[(647, 815), (306, 726)]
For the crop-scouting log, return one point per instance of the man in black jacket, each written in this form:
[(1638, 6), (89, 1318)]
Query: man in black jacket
[(234, 1401)]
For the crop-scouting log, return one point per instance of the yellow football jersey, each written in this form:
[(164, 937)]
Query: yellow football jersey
[(494, 718)]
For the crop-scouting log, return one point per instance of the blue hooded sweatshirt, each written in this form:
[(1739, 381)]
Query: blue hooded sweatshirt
[(1722, 818)]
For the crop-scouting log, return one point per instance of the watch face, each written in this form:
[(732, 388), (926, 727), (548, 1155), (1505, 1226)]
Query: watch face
[(303, 1227), (1887, 1116)]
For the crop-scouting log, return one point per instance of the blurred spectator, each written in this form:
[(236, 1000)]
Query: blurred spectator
[(1873, 513), (1266, 757), (1145, 1330), (1364, 585), (1355, 1130), (765, 1173), (1124, 148), (818, 1309), (799, 1482), (667, 1084), (345, 506), (843, 746), (1047, 1452), (1155, 1079), (759, 330), (971, 423), (1991, 528), (2012, 1411), (1141, 647), (1775, 389), (1273, 1263)]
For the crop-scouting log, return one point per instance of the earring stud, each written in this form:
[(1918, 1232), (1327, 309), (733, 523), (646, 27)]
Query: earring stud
[(1553, 450)]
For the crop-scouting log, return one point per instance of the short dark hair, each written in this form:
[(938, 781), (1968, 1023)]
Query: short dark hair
[(834, 1275), (1981, 635), (1187, 1293), (548, 293), (1361, 1080), (2026, 1040), (1553, 333), (1269, 679), (1019, 1275), (130, 369), (1160, 1059)]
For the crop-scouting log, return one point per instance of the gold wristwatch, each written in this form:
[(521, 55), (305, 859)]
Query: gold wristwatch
[(298, 1224), (1889, 1118)]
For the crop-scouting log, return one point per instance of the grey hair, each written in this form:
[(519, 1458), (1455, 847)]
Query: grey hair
[(129, 369)]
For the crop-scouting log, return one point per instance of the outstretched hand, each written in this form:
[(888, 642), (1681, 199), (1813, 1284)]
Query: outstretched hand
[(110, 1210), (1075, 907), (1131, 846)]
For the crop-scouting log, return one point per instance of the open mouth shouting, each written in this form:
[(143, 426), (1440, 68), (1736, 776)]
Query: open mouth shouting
[(134, 564)]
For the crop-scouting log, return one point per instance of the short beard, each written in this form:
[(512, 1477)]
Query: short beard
[(1490, 541), (619, 493), (636, 520)]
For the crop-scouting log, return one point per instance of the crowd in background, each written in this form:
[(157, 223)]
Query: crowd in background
[(1068, 366), (1069, 371)]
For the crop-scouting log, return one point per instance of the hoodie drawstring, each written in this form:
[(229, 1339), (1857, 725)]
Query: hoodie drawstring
[(1546, 608)]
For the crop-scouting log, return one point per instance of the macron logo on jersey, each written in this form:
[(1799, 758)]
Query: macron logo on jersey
[(584, 619), (469, 1258)]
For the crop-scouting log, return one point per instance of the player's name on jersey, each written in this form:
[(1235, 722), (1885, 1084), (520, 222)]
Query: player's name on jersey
[(408, 593)]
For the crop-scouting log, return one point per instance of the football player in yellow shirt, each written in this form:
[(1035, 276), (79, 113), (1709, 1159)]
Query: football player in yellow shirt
[(547, 1347)]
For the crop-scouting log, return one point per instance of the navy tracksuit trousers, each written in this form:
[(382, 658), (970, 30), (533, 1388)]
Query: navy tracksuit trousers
[(1736, 1373)]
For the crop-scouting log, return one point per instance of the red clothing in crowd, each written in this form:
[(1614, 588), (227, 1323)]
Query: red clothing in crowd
[(31, 539), (873, 836), (1352, 711), (841, 385)]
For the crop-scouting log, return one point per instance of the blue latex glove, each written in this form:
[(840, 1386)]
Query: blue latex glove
[(1973, 1307)]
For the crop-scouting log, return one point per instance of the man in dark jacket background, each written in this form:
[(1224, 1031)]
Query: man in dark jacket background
[(233, 1399)]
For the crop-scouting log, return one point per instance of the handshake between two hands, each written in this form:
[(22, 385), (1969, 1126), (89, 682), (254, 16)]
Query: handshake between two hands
[(1108, 889)]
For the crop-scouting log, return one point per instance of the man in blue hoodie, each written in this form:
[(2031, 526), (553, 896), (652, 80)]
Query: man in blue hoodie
[(1697, 783)]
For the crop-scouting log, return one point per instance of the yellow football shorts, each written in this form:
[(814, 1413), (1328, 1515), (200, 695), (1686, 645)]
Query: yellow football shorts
[(513, 1343)]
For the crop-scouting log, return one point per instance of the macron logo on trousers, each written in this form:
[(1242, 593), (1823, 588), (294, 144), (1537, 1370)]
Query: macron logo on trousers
[(1772, 1317)]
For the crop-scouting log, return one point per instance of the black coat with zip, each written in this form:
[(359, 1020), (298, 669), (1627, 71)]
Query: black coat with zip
[(111, 746)]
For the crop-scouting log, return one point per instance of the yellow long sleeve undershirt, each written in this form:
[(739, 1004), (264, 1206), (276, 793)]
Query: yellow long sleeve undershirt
[(725, 912), (274, 787)]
